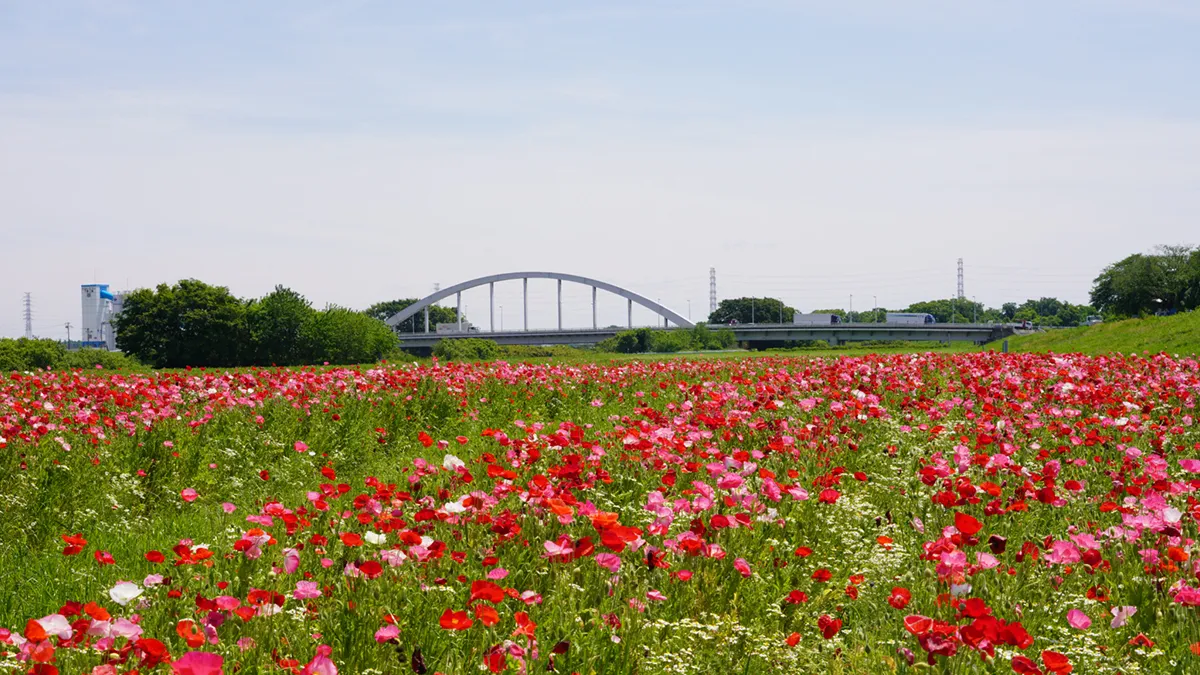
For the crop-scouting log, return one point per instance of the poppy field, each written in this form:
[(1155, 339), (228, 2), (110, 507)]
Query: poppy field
[(960, 513)]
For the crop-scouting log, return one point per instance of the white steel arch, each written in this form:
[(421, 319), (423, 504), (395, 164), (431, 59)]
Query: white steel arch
[(490, 281)]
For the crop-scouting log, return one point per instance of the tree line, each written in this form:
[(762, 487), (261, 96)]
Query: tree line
[(23, 354), (1164, 281), (1043, 311), (196, 324)]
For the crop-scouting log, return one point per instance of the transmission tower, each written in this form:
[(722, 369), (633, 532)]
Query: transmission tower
[(961, 294), (712, 290), (28, 315)]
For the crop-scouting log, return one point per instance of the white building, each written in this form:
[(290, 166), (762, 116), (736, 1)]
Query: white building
[(99, 307)]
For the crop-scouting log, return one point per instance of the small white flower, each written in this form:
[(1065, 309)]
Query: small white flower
[(376, 538), (124, 593), (452, 463)]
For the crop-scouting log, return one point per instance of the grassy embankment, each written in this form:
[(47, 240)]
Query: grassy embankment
[(1179, 334)]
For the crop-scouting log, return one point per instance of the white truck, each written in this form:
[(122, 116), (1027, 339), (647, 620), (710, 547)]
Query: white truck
[(909, 318), (454, 328), (816, 319)]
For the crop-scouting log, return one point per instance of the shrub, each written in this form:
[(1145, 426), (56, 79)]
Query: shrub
[(466, 349), (90, 358), (24, 354)]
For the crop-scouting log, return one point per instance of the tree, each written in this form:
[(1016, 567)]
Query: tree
[(275, 323), (416, 324), (1134, 285), (950, 310), (752, 310), (338, 335), (188, 324), (1009, 310)]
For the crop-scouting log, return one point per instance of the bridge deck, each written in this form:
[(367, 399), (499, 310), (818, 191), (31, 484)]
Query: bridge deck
[(835, 334)]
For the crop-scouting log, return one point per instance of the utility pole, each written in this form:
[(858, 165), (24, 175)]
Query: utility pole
[(68, 325), (875, 309), (961, 294), (689, 310), (751, 310), (850, 314), (28, 316)]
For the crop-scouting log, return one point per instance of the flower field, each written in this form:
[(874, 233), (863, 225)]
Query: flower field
[(965, 513)]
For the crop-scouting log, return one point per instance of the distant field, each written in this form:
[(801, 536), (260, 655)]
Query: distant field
[(1178, 334)]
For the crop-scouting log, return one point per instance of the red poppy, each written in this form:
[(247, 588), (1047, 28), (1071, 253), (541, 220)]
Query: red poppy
[(452, 620), (967, 524), (104, 558), (487, 615), (900, 597), (155, 556), (796, 597), (75, 543), (426, 439), (371, 569), (822, 575), (828, 626), (186, 629), (496, 659), (525, 626), (828, 496), (351, 539), (793, 639), (486, 590), (1056, 663), (1024, 666)]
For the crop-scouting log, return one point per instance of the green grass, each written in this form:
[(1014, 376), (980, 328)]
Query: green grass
[(1179, 334)]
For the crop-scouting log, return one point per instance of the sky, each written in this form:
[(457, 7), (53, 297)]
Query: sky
[(822, 152)]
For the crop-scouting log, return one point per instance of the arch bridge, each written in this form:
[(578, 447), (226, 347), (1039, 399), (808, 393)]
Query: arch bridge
[(491, 280)]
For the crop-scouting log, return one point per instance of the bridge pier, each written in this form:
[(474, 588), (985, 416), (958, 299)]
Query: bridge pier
[(631, 314), (458, 310), (427, 318), (560, 304), (833, 340), (492, 307), (593, 308)]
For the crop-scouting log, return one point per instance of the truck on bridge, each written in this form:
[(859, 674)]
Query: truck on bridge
[(816, 319), (466, 327), (906, 318)]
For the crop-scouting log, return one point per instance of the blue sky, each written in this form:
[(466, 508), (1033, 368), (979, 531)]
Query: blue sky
[(359, 150)]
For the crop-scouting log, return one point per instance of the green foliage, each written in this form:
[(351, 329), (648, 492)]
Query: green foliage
[(1166, 280), (275, 323), (437, 314), (950, 310), (646, 340), (188, 324), (195, 324), (466, 349), (23, 354), (703, 337), (538, 351), (91, 358), (342, 336), (752, 310)]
